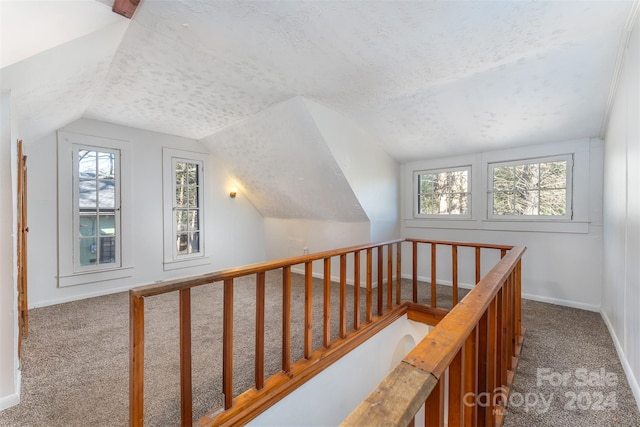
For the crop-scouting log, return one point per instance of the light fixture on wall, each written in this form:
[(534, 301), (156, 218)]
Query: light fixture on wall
[(233, 193)]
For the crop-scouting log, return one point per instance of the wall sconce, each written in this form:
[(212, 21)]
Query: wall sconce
[(233, 193)]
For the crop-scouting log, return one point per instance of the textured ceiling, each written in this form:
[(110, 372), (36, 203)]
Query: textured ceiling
[(424, 78)]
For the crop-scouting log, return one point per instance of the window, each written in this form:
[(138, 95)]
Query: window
[(444, 192), (96, 203), (184, 178), (187, 205), (94, 209), (536, 188)]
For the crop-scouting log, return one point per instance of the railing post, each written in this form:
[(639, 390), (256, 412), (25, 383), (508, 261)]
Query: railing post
[(356, 290), (456, 379), (483, 351), (433, 276), (369, 308), (478, 268), (470, 385), (454, 275), (389, 277), (326, 331), (343, 295), (380, 293), (186, 400), (227, 343), (286, 319), (308, 309), (398, 273), (434, 406), (259, 353), (136, 360), (414, 264)]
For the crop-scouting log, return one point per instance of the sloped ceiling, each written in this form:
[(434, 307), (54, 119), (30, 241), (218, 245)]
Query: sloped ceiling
[(425, 78), (286, 167)]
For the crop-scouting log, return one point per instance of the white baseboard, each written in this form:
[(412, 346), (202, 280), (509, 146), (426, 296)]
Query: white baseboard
[(631, 379), (563, 302), (13, 398), (62, 300)]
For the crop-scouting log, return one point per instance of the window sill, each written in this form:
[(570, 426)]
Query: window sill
[(539, 226), (88, 277), (187, 263)]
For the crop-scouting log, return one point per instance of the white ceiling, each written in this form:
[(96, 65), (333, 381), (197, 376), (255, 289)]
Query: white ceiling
[(425, 78)]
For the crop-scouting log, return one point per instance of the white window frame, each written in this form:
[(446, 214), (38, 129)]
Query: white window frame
[(70, 273), (172, 260), (568, 158), (415, 196), (76, 210)]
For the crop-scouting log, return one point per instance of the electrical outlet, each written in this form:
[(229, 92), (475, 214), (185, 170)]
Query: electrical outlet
[(305, 251)]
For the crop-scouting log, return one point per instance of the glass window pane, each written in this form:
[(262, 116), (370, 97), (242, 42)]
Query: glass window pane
[(553, 202), (182, 244), (503, 178), (553, 175), (194, 242), (527, 202), (192, 178), (193, 197), (107, 225), (87, 194), (193, 221), (181, 220), (526, 176), (87, 225), (107, 249), (503, 203), (182, 196), (106, 165), (86, 164), (181, 173), (88, 251), (107, 194)]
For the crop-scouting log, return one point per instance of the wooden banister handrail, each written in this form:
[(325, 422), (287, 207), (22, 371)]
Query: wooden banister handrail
[(457, 333)]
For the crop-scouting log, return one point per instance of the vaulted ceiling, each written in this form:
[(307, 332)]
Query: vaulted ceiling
[(424, 78)]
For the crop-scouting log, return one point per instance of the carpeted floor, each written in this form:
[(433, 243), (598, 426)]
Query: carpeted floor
[(75, 367)]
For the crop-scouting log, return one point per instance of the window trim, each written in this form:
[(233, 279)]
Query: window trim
[(415, 193), (172, 261), (68, 274), (527, 161)]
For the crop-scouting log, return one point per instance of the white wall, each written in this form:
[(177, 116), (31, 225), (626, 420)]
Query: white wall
[(9, 373), (563, 262), (621, 279), (328, 398), (234, 230)]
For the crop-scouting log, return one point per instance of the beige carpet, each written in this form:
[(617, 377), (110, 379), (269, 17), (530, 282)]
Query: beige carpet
[(75, 369)]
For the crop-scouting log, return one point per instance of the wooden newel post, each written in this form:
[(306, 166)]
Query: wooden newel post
[(136, 360)]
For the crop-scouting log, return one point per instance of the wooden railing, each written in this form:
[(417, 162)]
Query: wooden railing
[(478, 343), (359, 263)]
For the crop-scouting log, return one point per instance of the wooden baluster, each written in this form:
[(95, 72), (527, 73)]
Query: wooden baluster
[(326, 332), (456, 378), (433, 276), (518, 301), (510, 321), (186, 399), (454, 275), (492, 360), (308, 309), (227, 344), (380, 293), (343, 296), (389, 277), (136, 360), (356, 290), (369, 308), (286, 319), (500, 343), (259, 353), (415, 271), (483, 351), (478, 268), (503, 252), (470, 386), (434, 406), (399, 273)]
